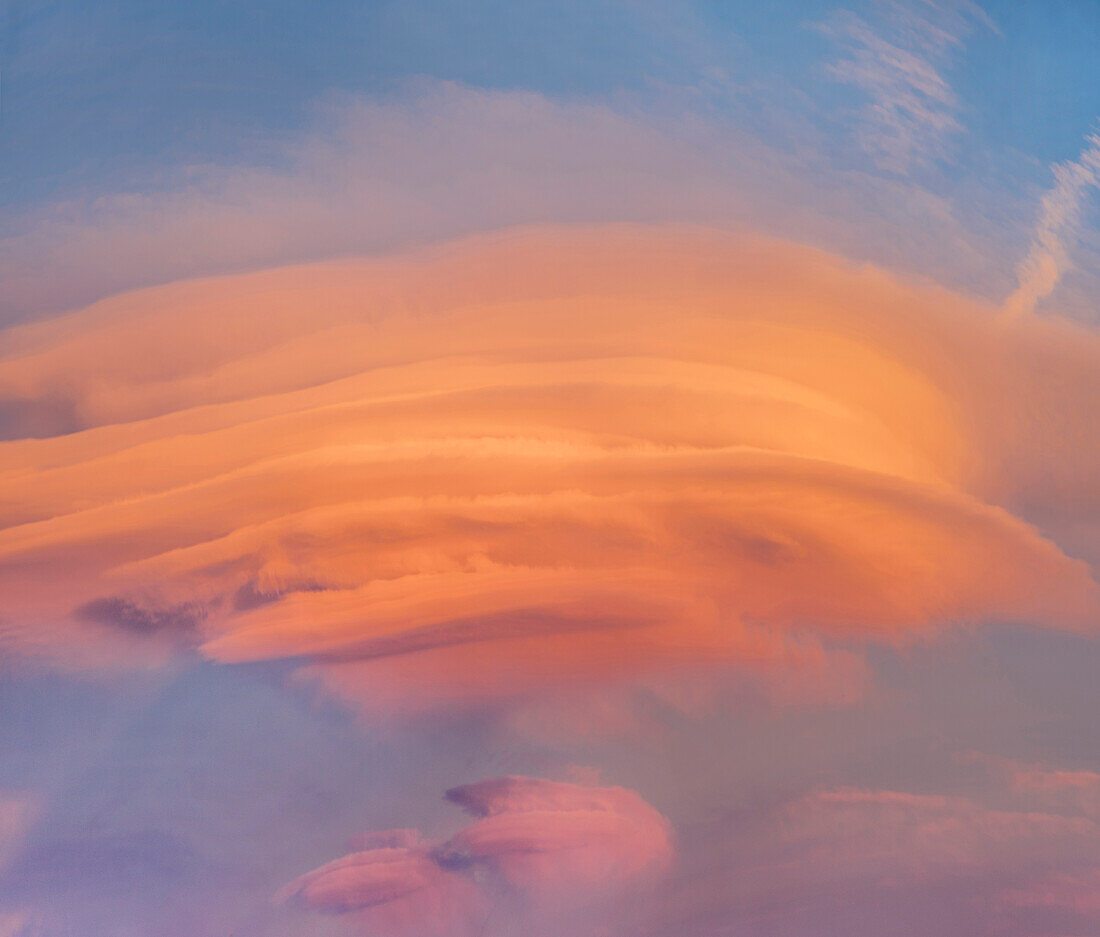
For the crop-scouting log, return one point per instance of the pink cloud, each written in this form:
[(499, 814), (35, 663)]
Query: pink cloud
[(540, 847), (553, 839), (18, 924), (1059, 788), (1078, 893), (393, 890), (1010, 862), (896, 834), (18, 812)]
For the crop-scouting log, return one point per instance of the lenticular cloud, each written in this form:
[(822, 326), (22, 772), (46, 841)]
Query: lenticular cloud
[(538, 457)]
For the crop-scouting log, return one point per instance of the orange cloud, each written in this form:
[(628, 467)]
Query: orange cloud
[(541, 457), (540, 847)]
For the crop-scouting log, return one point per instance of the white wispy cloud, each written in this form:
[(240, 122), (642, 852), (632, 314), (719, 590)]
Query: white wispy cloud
[(438, 160), (898, 63), (1048, 257)]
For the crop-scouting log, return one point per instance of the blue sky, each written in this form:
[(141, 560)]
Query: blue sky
[(108, 104), (94, 93)]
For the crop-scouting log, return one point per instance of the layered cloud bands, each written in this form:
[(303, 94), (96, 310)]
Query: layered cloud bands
[(539, 457), (537, 849)]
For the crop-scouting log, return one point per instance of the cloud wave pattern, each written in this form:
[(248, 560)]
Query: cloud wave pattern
[(535, 457)]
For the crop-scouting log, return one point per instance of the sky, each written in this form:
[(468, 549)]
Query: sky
[(607, 468)]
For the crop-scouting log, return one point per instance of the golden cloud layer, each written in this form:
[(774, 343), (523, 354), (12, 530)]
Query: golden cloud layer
[(538, 457)]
